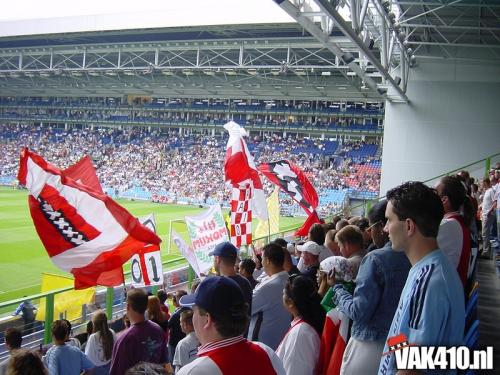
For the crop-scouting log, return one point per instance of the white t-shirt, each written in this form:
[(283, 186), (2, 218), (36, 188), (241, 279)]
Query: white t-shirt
[(488, 200), (299, 349), (186, 351), (450, 240), (257, 273), (94, 349)]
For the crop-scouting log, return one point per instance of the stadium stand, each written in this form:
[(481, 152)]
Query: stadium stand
[(322, 92), (142, 164)]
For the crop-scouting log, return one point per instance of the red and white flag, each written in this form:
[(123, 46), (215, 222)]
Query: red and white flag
[(84, 173), (241, 216), (248, 194), (333, 342), (83, 231), (293, 181)]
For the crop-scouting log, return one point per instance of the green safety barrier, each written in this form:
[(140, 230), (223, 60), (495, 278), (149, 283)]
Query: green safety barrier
[(49, 301), (49, 296), (367, 204)]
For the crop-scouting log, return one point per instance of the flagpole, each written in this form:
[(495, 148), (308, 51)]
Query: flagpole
[(268, 229)]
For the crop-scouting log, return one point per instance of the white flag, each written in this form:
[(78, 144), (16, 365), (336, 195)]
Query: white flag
[(186, 251)]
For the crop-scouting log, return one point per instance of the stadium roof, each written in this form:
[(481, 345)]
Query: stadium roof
[(32, 17), (367, 55)]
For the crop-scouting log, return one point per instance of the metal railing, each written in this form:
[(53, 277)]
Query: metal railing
[(479, 169), (50, 297)]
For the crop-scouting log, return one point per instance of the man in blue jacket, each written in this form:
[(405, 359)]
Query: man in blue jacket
[(380, 280)]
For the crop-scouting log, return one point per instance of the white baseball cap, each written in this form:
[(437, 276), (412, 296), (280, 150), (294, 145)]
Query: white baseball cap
[(311, 247)]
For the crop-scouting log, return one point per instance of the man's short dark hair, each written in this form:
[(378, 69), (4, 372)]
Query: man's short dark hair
[(229, 260), (231, 322), (420, 203), (317, 234), (274, 253), (13, 337), (350, 234), (137, 299), (341, 224), (68, 323), (330, 235), (248, 265), (177, 296), (60, 330), (281, 241), (187, 316), (362, 223), (377, 213), (454, 189), (328, 227), (162, 295)]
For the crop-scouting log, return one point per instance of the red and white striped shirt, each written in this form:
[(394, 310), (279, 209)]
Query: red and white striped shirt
[(235, 355)]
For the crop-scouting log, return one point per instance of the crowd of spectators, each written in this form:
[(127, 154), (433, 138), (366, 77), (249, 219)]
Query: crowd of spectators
[(214, 103), (186, 167), (390, 275), (269, 113)]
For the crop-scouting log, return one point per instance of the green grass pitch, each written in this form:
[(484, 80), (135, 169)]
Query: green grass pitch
[(23, 258)]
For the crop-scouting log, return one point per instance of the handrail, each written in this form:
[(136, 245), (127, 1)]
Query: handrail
[(61, 290), (367, 202), (109, 300), (463, 167)]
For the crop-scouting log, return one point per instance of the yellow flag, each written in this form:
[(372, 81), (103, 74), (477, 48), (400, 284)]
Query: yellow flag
[(271, 226), (68, 303)]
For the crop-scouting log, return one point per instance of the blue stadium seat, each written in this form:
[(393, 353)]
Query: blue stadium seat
[(472, 335)]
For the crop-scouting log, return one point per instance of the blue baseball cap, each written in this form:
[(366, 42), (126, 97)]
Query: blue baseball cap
[(215, 295), (225, 250)]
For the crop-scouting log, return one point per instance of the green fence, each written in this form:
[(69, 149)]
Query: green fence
[(478, 169), (49, 300), (49, 297)]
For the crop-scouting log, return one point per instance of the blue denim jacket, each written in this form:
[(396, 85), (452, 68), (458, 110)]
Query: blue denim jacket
[(379, 283)]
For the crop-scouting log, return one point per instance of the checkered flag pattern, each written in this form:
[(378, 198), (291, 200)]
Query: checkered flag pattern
[(398, 346), (62, 224), (241, 216)]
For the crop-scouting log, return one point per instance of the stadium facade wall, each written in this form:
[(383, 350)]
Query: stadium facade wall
[(453, 119)]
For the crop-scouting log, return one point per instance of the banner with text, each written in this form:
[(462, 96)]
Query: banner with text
[(146, 266), (206, 231)]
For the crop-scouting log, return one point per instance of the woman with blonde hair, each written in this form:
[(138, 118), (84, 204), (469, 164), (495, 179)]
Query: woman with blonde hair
[(155, 314), (100, 343)]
